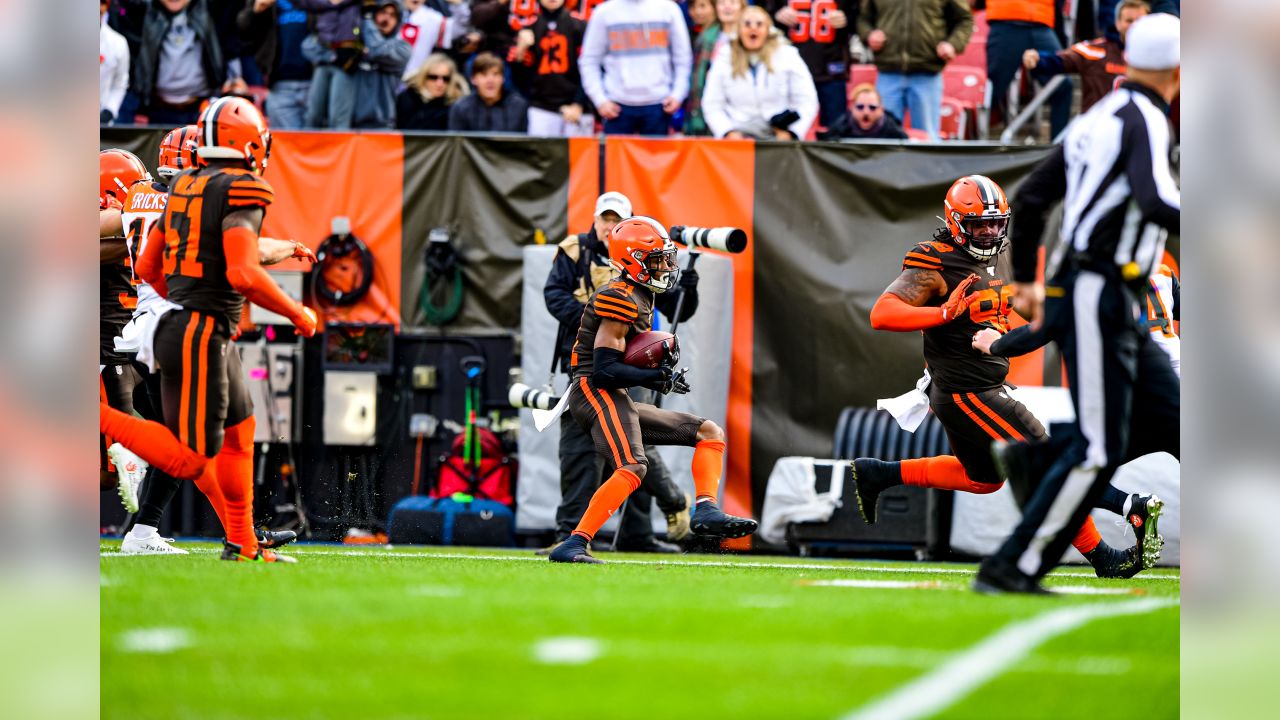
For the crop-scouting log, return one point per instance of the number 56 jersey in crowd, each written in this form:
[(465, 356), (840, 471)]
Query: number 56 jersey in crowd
[(948, 348)]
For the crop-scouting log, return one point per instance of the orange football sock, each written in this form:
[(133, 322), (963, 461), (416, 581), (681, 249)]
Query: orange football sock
[(1088, 538), (235, 478), (606, 501), (152, 442), (943, 472), (708, 465), (208, 484)]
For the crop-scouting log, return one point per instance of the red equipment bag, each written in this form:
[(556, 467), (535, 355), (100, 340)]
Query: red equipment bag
[(493, 480)]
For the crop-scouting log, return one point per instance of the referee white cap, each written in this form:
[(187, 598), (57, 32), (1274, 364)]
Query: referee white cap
[(1154, 43)]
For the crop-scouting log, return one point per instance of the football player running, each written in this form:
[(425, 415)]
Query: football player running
[(645, 258), (950, 289), (204, 257)]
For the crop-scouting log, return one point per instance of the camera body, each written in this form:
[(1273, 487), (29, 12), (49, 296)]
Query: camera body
[(724, 239)]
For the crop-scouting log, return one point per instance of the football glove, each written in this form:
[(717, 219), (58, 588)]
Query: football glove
[(960, 299)]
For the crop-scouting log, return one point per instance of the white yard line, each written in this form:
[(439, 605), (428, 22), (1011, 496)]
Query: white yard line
[(966, 671), (517, 556), (157, 640)]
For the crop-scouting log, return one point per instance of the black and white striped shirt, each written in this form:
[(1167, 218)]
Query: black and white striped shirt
[(1112, 173)]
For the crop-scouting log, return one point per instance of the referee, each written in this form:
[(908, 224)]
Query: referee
[(1120, 201)]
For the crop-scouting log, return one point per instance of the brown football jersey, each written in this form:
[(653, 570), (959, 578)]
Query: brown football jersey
[(195, 263), (948, 348), (620, 300)]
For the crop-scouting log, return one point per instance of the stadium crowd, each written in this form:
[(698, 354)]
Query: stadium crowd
[(788, 69)]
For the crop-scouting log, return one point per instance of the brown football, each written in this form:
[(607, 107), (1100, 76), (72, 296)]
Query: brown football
[(650, 349)]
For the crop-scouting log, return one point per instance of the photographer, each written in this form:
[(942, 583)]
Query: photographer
[(580, 267)]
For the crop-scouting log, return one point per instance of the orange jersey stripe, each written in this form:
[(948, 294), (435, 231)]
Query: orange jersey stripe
[(184, 406), (617, 301), (617, 422), (586, 390), (974, 417), (924, 258), (612, 316), (996, 418), (913, 263), (201, 392)]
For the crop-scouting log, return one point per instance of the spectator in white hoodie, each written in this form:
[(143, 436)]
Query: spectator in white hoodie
[(635, 64), (759, 87), (113, 68)]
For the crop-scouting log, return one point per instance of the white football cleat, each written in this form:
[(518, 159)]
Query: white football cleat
[(153, 544), (131, 469)]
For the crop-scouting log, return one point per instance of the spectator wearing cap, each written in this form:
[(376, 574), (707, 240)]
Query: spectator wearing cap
[(274, 30), (759, 87), (635, 64), (179, 63), (1099, 63), (380, 67), (113, 68), (867, 119), (491, 108), (581, 266), (1016, 25), (913, 40)]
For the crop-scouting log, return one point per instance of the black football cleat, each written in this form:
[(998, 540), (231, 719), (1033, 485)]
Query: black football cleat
[(710, 521), (1144, 518), (271, 539), (996, 577), (1112, 563), (573, 550), (870, 478)]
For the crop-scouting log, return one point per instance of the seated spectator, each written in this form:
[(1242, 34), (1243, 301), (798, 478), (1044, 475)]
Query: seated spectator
[(380, 67), (179, 64), (490, 108), (334, 49), (113, 68), (635, 64), (429, 93), (274, 31), (759, 87), (544, 66), (867, 119), (1099, 63), (713, 37)]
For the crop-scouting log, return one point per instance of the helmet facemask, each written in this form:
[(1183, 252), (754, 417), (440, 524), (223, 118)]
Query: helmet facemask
[(983, 235), (661, 273)]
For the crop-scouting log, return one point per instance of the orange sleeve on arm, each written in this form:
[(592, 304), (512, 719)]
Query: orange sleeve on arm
[(893, 313), (151, 261), (246, 275)]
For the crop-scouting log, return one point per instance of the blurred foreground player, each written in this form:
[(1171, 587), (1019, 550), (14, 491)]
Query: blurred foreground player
[(118, 171), (950, 289), (1120, 200), (204, 257), (645, 258)]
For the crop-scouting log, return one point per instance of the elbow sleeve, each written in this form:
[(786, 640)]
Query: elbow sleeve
[(892, 313)]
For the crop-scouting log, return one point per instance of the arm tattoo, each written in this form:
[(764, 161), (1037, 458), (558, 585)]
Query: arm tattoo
[(916, 286)]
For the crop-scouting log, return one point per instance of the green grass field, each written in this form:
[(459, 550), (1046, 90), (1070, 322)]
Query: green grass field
[(449, 633)]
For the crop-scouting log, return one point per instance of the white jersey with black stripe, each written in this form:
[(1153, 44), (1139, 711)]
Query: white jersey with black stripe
[(1121, 197)]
